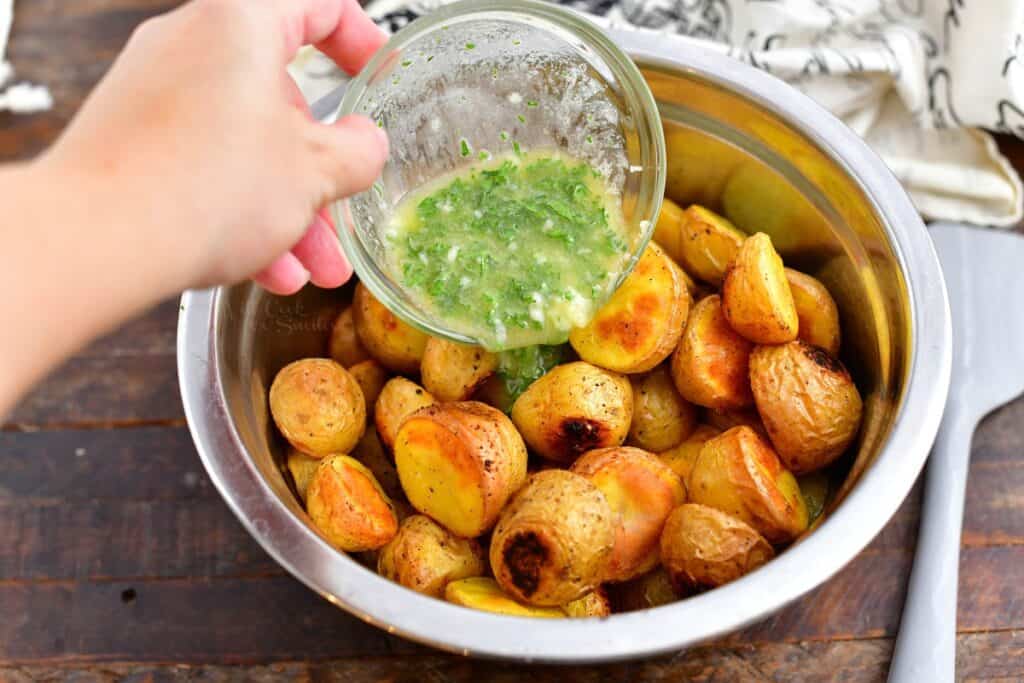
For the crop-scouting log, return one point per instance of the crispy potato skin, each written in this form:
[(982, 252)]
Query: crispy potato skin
[(808, 402), (553, 540), (702, 547), (756, 298), (681, 457), (426, 557), (371, 377), (739, 473), (653, 589), (370, 452), (395, 344), (708, 244), (349, 507), (344, 345), (572, 409), (459, 463), (816, 310), (661, 417), (642, 491), (452, 372), (710, 367), (641, 323), (318, 407), (484, 593), (399, 399), (302, 468), (593, 604)]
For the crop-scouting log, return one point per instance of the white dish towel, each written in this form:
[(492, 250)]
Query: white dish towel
[(20, 98)]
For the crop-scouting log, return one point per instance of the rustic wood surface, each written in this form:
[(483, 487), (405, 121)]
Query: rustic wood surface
[(119, 561)]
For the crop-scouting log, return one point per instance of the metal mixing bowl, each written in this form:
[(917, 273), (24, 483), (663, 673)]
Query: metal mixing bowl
[(770, 159)]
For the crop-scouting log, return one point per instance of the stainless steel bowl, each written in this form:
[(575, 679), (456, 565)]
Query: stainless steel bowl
[(772, 160)]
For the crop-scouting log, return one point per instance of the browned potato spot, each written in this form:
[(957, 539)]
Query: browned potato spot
[(459, 463), (349, 507), (756, 297), (640, 324), (681, 458), (399, 399), (661, 417), (808, 402), (395, 344), (702, 547), (318, 407), (642, 491), (572, 409), (710, 365), (817, 311), (302, 467), (738, 472), (484, 593), (344, 345), (452, 372), (426, 557), (708, 244), (371, 377), (553, 540), (593, 604), (653, 589)]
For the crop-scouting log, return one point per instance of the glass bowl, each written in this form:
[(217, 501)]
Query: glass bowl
[(487, 77)]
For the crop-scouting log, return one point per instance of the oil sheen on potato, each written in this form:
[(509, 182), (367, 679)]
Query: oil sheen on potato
[(513, 251)]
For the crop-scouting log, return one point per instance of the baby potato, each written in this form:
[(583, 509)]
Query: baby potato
[(426, 557), (710, 367), (593, 604), (726, 419), (738, 472), (814, 487), (755, 295), (371, 377), (452, 372), (302, 467), (641, 323), (553, 541), (572, 409), (399, 399), (459, 463), (661, 417), (702, 547), (395, 344), (816, 310), (668, 229), (808, 402), (349, 507), (708, 243), (343, 345), (642, 491), (318, 407), (370, 452), (484, 593), (681, 458), (653, 589)]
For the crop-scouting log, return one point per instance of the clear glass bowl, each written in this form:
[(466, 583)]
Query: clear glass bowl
[(487, 76)]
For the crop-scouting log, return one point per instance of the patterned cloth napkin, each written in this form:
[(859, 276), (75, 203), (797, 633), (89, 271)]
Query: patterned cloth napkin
[(20, 98)]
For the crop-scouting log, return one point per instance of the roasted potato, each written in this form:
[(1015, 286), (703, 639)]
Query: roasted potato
[(397, 345), (702, 547), (484, 593), (738, 472), (681, 458), (459, 463), (553, 540), (708, 243), (808, 402), (727, 418), (452, 372), (816, 310), (371, 377), (399, 399), (642, 491), (349, 507), (710, 365), (344, 345), (302, 467), (815, 488), (755, 295), (572, 409), (661, 417), (593, 604), (426, 557), (653, 589), (641, 323), (668, 231), (318, 407), (370, 452)]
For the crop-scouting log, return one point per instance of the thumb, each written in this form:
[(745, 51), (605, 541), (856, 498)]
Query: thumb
[(347, 155)]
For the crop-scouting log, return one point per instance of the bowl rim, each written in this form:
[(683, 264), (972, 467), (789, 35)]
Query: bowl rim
[(868, 507)]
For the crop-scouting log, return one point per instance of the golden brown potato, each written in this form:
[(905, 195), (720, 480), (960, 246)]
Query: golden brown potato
[(726, 419), (370, 452), (661, 417), (738, 472), (816, 310), (397, 345), (399, 399), (494, 392), (302, 467), (426, 557), (371, 377), (681, 458), (572, 409), (668, 229), (755, 295), (484, 593), (593, 604), (641, 323), (553, 540), (815, 489), (459, 463), (318, 407), (808, 402), (344, 345), (642, 491), (710, 365), (349, 507), (708, 244), (452, 372), (702, 547), (653, 589)]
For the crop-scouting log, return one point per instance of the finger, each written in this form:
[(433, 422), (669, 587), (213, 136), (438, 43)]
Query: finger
[(285, 275), (294, 96), (348, 154), (320, 252), (354, 41), (339, 28)]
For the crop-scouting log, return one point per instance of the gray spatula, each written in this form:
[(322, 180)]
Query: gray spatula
[(984, 273)]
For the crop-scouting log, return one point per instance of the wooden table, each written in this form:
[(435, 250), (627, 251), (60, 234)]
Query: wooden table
[(118, 558)]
